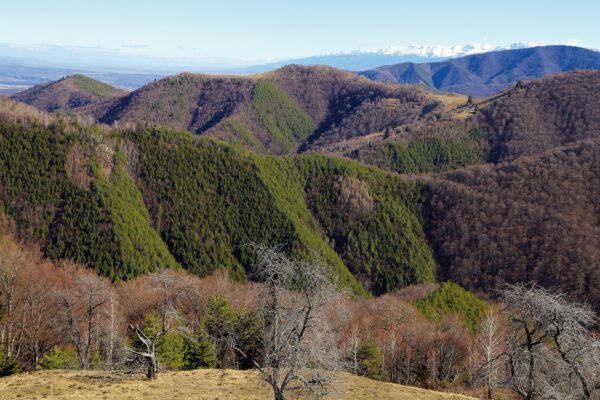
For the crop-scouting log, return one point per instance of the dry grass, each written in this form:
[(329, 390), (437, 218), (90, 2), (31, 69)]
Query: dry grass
[(200, 384), (450, 101)]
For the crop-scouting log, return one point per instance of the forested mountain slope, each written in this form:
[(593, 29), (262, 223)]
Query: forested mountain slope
[(535, 219), (130, 202), (151, 197), (283, 111), (530, 118)]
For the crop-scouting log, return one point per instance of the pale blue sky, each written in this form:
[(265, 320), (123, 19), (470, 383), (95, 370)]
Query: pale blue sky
[(268, 29)]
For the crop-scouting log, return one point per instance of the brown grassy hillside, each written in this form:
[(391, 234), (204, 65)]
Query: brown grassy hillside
[(199, 385), (67, 93)]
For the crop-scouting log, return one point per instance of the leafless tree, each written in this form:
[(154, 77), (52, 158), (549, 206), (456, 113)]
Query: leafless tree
[(148, 353), (552, 353), (9, 266), (353, 344), (82, 305), (113, 327), (489, 345), (36, 306), (166, 283), (299, 348)]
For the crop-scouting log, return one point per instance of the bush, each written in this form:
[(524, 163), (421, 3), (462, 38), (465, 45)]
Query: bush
[(223, 323), (60, 357), (8, 366)]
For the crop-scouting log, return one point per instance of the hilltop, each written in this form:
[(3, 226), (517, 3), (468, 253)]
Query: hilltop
[(284, 111), (297, 109), (67, 93), (278, 112), (488, 73)]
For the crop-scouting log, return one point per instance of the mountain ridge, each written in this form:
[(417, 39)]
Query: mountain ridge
[(488, 73)]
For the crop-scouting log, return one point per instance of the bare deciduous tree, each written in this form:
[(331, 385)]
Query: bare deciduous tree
[(82, 305), (36, 306), (490, 343), (9, 265), (166, 283), (552, 353), (353, 344), (299, 348), (148, 353), (113, 327)]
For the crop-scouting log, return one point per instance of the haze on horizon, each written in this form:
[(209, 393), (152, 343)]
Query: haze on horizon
[(236, 32)]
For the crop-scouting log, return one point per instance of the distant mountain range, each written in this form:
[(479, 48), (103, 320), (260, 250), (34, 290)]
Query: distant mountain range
[(368, 59), (474, 69), (23, 68), (488, 73)]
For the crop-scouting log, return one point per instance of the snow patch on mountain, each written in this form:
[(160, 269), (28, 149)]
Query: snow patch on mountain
[(444, 51)]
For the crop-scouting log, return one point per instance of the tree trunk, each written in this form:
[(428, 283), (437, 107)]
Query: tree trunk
[(279, 394), (151, 372)]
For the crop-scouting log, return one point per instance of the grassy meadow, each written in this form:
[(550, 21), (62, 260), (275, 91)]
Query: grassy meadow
[(199, 384)]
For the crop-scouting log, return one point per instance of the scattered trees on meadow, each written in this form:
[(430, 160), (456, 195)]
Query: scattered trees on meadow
[(295, 328)]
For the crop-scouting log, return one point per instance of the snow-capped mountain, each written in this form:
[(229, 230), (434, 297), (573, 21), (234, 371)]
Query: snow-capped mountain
[(361, 60), (446, 51)]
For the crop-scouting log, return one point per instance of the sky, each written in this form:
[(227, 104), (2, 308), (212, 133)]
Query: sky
[(267, 30)]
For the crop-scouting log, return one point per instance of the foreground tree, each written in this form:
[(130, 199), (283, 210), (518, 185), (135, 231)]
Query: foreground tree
[(552, 352), (489, 343), (83, 305), (147, 350), (10, 263), (199, 351), (299, 350)]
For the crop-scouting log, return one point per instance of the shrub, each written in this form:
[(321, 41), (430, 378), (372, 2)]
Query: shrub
[(60, 357), (199, 351), (8, 366)]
